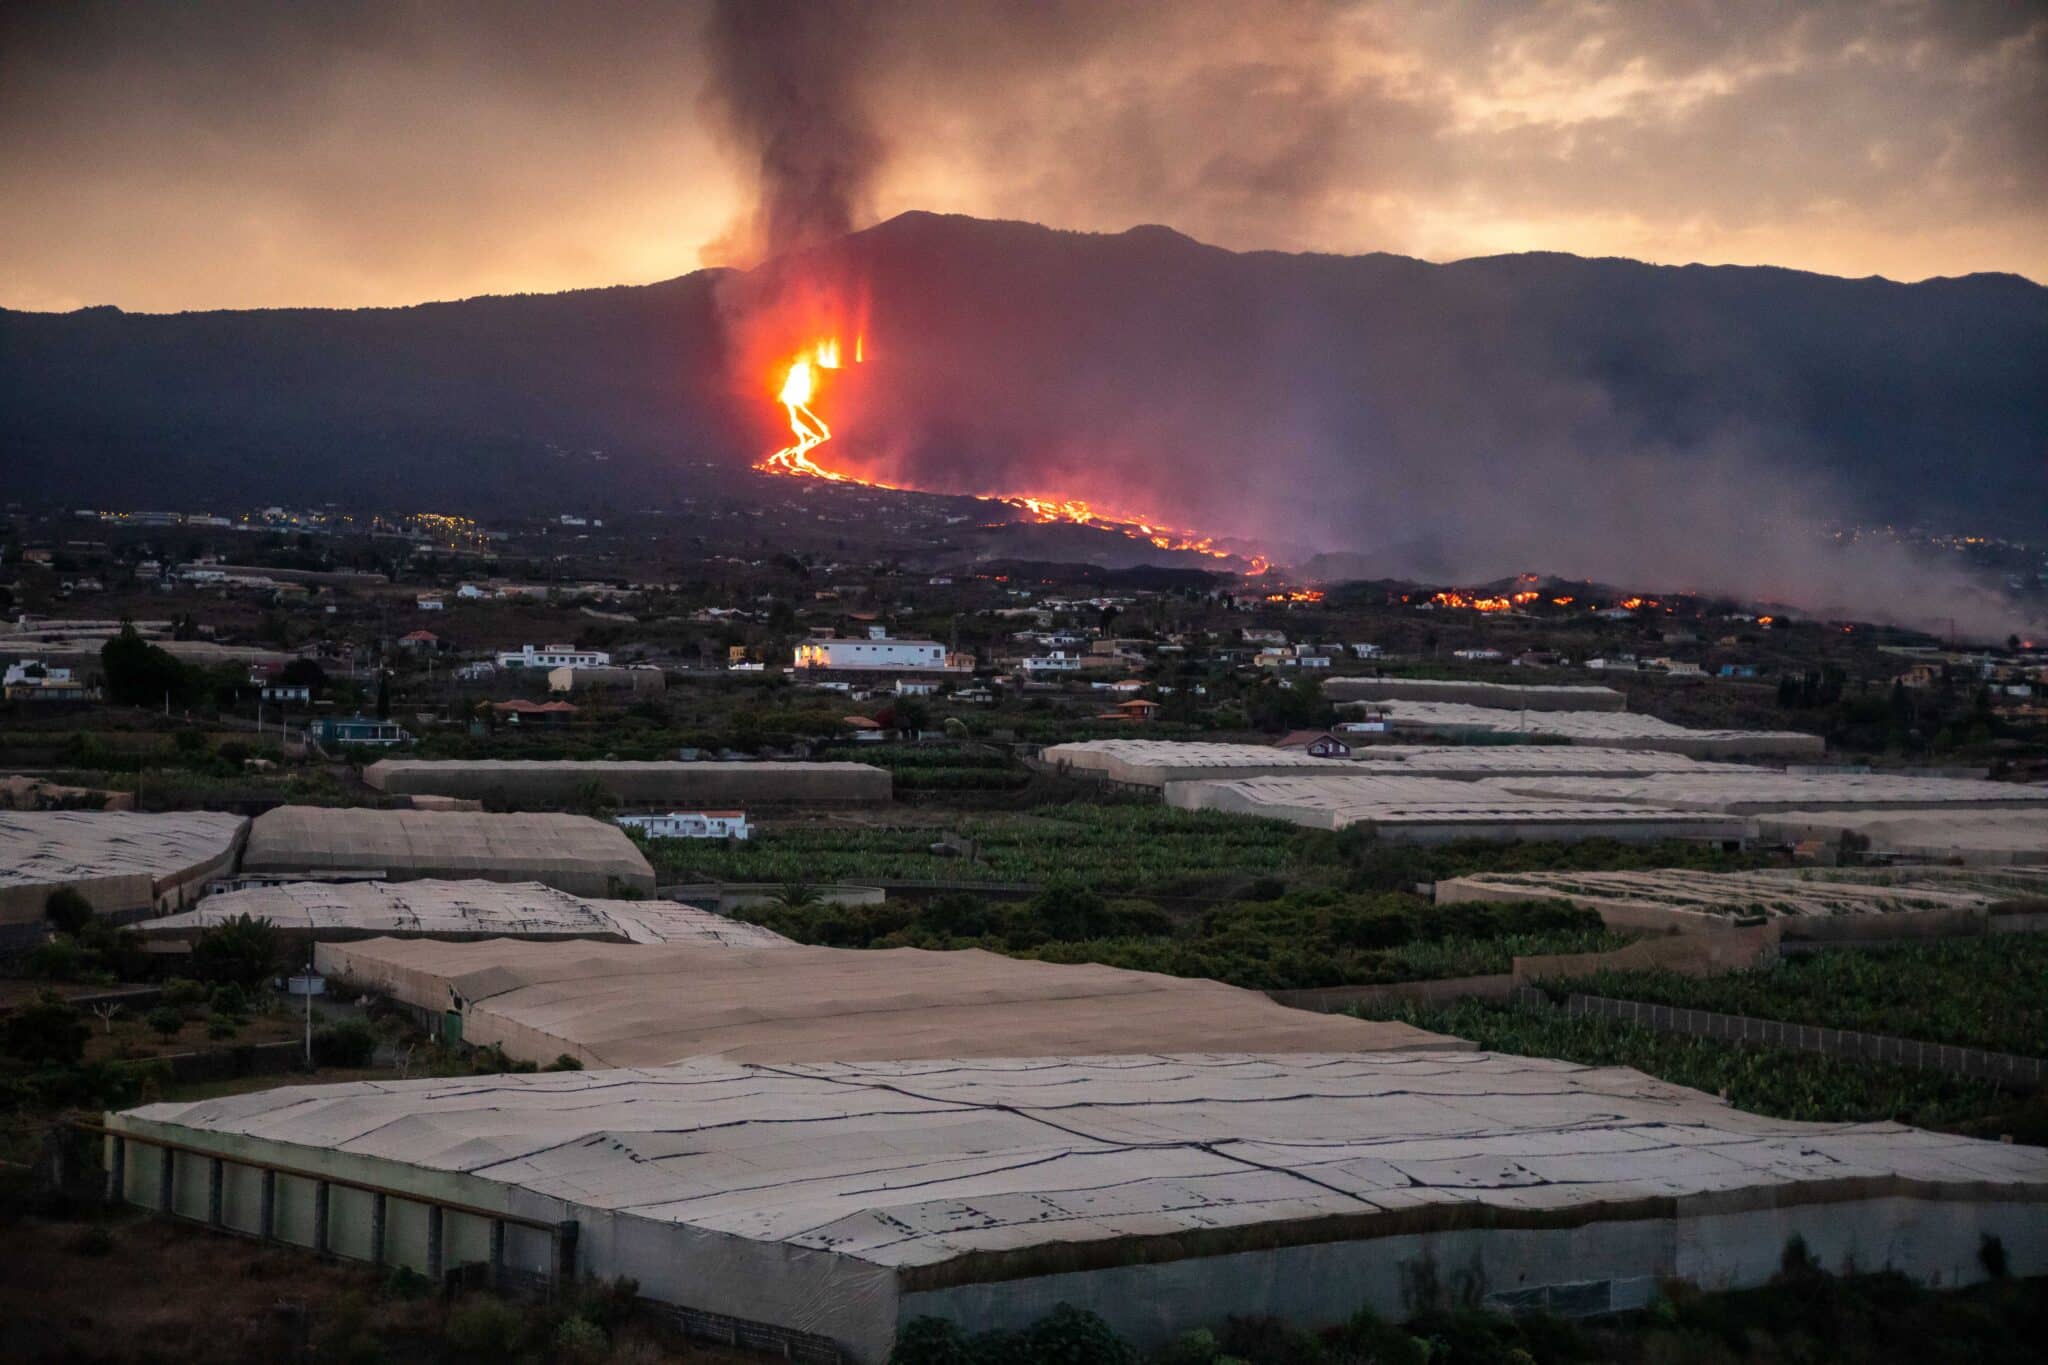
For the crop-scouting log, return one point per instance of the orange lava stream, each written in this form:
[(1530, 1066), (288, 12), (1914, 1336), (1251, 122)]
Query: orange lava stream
[(799, 389)]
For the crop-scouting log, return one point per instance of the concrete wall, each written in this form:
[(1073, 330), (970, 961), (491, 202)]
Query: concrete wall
[(645, 784), (1730, 1240), (1932, 1241), (1687, 954)]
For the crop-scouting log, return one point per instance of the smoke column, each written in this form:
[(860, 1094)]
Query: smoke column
[(786, 82)]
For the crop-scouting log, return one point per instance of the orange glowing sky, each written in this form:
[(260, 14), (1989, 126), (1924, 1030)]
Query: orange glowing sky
[(162, 156)]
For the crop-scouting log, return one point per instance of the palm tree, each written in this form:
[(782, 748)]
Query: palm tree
[(796, 896)]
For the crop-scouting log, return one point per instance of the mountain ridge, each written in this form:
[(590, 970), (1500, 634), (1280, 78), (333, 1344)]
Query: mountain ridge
[(1183, 378)]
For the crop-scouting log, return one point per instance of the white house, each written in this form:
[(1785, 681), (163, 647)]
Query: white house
[(918, 655), (1478, 655), (1059, 661), (690, 824), (429, 602), (554, 656), (1365, 651), (915, 687)]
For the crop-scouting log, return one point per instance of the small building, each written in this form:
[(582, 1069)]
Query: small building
[(927, 656), (419, 639), (1478, 655), (1137, 711), (690, 824), (1314, 743), (865, 729), (1058, 661), (553, 656), (1377, 723), (429, 601), (915, 687), (32, 680), (520, 711), (288, 692), (357, 732)]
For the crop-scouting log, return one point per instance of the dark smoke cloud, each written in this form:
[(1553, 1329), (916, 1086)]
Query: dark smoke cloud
[(789, 80)]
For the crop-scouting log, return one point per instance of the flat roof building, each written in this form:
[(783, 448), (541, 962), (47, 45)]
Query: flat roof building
[(922, 656), (1509, 696), (820, 1206), (460, 910), (576, 854), (633, 1005), (126, 864), (1426, 810)]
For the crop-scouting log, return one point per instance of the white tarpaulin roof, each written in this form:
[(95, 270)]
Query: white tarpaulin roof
[(467, 908), (914, 1163), (1972, 835), (1152, 762), (1762, 790), (1338, 799), (638, 1005), (41, 850), (1623, 729), (1778, 891), (578, 854)]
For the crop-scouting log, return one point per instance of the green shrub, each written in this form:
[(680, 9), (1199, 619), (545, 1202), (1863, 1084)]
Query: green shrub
[(345, 1043), (483, 1328), (222, 1027), (228, 998), (579, 1341), (564, 1062), (243, 950), (183, 993), (166, 1020), (67, 911), (930, 1341), (46, 1032)]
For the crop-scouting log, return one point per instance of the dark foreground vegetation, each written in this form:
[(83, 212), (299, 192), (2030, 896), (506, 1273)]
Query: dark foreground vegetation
[(1803, 1317), (96, 1285)]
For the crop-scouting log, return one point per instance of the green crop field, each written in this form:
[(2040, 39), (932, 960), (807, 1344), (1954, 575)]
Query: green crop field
[(1104, 847), (1773, 1081), (1989, 992)]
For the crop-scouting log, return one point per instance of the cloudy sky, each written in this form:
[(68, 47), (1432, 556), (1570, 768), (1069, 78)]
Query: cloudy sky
[(194, 155)]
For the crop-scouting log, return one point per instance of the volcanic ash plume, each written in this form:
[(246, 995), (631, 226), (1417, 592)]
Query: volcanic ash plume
[(786, 81)]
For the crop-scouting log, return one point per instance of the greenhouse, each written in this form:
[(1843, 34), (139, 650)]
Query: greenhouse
[(817, 1207)]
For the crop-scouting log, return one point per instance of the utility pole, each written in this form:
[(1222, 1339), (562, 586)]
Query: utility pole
[(307, 984)]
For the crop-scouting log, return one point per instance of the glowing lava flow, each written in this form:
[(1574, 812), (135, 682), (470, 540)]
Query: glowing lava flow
[(799, 390), (809, 429)]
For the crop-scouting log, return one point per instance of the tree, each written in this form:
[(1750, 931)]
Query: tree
[(166, 1020), (67, 911), (45, 1032), (383, 696), (304, 673), (140, 674), (243, 951)]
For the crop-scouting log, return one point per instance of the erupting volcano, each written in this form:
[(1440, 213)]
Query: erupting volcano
[(800, 386)]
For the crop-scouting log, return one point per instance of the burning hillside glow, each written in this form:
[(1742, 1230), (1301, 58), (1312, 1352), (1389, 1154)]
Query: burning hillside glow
[(800, 388)]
